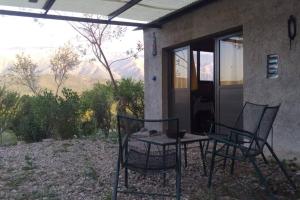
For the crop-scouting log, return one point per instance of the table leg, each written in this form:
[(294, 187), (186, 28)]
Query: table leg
[(185, 155), (148, 154), (203, 158), (164, 164)]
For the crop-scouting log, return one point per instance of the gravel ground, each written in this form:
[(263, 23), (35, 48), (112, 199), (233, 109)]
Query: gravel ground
[(83, 169)]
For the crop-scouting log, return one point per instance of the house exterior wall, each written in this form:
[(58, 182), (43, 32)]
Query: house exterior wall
[(265, 32)]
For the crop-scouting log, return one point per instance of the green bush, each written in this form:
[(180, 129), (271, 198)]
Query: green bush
[(36, 117), (98, 102), (67, 123), (9, 102), (130, 97), (47, 115)]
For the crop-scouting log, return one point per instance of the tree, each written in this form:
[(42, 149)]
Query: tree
[(97, 35), (64, 60), (131, 93), (25, 71), (8, 107), (100, 101)]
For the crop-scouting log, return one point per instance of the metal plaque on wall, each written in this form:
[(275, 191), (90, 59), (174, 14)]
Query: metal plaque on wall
[(272, 66)]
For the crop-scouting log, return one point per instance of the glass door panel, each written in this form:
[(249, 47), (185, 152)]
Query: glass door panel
[(181, 66), (231, 61), (180, 98), (229, 88)]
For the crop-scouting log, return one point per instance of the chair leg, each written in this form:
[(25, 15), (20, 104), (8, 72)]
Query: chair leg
[(206, 148), (264, 158), (281, 166), (178, 174), (225, 159), (262, 179), (212, 164), (116, 181), (164, 165), (185, 155), (233, 155), (126, 175), (203, 158), (233, 161)]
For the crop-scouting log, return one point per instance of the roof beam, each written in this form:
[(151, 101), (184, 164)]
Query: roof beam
[(48, 5), (119, 11), (76, 19)]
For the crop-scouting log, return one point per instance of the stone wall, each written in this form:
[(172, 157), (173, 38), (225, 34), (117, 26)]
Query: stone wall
[(265, 31)]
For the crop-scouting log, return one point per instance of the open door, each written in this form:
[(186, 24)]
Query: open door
[(206, 82), (202, 85), (229, 78), (180, 86)]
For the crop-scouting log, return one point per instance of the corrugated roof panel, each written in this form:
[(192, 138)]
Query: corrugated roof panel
[(145, 10), (23, 3), (100, 7), (150, 10)]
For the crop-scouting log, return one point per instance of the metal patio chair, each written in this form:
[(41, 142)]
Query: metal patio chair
[(243, 145), (248, 120), (136, 155)]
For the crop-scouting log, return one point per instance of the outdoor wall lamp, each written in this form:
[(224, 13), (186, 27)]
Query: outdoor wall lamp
[(292, 29)]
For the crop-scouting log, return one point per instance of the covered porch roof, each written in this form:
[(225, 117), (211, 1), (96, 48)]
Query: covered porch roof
[(139, 13)]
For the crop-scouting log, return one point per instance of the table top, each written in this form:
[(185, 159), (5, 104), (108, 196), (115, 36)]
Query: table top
[(164, 140)]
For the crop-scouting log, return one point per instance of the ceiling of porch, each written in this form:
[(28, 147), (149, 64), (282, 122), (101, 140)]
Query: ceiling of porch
[(138, 12)]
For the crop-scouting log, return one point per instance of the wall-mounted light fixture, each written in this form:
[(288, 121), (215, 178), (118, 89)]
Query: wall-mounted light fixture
[(292, 28), (154, 46)]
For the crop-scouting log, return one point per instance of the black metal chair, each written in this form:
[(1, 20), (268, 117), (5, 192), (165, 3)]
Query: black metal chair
[(136, 155), (251, 113), (244, 145)]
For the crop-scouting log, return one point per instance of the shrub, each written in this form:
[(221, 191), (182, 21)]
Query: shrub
[(47, 115), (67, 124), (99, 100), (130, 97), (8, 107), (36, 117)]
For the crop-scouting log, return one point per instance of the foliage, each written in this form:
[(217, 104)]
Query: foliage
[(99, 100), (67, 124), (8, 138), (47, 115), (130, 97), (36, 117), (8, 107), (96, 35), (64, 60), (24, 70)]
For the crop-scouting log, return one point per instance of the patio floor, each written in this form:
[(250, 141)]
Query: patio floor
[(83, 169)]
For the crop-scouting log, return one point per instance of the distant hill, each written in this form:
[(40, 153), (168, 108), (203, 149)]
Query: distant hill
[(80, 79), (46, 81)]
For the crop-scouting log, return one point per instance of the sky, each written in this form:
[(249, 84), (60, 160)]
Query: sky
[(19, 34)]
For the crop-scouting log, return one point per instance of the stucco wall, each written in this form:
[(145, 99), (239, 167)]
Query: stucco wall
[(264, 25)]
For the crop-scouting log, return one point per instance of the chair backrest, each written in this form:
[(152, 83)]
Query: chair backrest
[(130, 129), (250, 117), (265, 127)]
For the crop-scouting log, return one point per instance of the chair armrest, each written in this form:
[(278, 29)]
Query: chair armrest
[(224, 140), (237, 132)]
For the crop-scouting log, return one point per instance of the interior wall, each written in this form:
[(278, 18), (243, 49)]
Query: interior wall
[(265, 32)]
